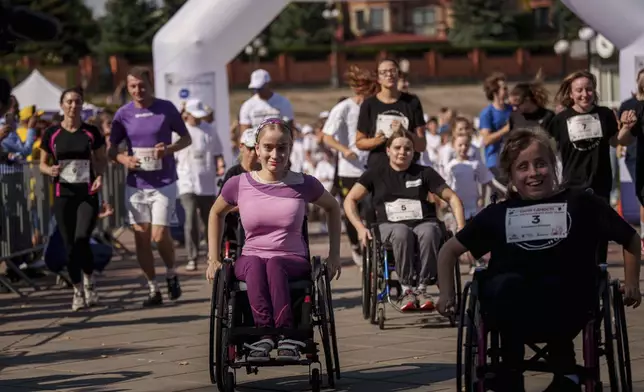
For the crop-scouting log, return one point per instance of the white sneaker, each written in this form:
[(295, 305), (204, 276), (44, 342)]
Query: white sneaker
[(91, 296), (78, 302), (191, 266)]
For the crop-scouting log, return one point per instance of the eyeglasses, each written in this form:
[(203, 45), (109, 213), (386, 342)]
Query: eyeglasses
[(385, 72)]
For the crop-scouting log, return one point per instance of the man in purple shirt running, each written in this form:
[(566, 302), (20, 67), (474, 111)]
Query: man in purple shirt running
[(146, 125)]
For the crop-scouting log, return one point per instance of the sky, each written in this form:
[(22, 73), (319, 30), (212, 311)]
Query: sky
[(98, 6)]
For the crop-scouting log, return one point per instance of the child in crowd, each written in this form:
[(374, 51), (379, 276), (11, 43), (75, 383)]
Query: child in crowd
[(466, 175)]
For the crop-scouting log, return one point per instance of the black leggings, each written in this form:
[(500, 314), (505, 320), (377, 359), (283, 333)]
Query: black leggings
[(538, 311), (76, 218)]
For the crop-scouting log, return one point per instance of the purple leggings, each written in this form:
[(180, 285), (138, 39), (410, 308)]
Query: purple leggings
[(267, 286)]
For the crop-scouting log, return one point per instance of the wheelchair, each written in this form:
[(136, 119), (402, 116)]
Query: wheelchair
[(232, 325), (478, 359), (378, 265)]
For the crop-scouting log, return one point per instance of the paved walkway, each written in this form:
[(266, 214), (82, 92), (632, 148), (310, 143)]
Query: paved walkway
[(119, 347)]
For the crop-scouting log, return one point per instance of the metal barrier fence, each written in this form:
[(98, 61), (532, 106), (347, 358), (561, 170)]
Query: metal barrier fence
[(26, 210)]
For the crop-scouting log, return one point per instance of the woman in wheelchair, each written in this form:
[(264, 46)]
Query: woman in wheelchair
[(541, 282), (405, 218), (272, 205)]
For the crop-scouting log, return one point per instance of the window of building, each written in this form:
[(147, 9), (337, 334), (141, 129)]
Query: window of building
[(361, 21), (424, 21), (377, 19)]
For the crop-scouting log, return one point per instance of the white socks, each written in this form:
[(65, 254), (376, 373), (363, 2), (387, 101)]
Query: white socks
[(154, 287), (88, 280)]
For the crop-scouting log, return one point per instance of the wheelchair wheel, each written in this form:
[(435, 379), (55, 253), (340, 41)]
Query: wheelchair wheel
[(333, 336), (458, 291), (213, 322), (621, 334), (222, 350), (323, 313), (609, 344), (366, 283), (469, 352), (375, 277), (316, 380)]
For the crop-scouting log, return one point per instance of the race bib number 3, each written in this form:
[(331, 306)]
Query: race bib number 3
[(75, 171), (538, 222), (404, 210), (584, 127), (147, 160)]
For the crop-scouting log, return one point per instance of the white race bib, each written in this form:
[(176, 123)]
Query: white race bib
[(147, 160), (538, 222), (384, 123), (403, 210), (584, 127), (75, 171)]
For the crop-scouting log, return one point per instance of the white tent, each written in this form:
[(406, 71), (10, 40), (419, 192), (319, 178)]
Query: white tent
[(37, 90)]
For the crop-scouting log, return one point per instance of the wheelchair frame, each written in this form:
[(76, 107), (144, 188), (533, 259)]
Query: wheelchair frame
[(375, 292), (229, 322), (475, 374)]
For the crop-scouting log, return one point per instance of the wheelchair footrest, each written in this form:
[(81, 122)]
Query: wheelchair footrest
[(293, 333), (271, 363)]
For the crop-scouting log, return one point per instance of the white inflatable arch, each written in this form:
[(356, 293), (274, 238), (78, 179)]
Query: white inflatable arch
[(192, 50), (621, 22)]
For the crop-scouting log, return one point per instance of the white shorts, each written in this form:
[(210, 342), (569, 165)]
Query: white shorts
[(155, 206)]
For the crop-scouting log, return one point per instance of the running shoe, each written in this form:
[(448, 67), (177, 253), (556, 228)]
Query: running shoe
[(154, 299), (408, 301), (174, 288), (78, 302), (91, 296), (191, 266), (425, 300)]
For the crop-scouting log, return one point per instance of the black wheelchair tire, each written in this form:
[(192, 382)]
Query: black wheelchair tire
[(211, 341), (323, 313), (459, 294), (470, 379), (316, 380), (609, 344), (459, 339), (333, 336), (221, 330), (230, 382), (375, 256), (366, 283), (623, 350)]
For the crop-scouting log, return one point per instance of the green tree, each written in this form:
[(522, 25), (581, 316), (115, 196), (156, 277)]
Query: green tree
[(562, 18), (478, 21), (79, 31), (300, 25), (129, 25)]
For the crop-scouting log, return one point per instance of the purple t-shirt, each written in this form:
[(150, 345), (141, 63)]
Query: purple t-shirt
[(272, 214), (142, 129)]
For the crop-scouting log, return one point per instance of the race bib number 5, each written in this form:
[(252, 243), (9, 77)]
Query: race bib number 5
[(403, 210), (75, 171), (147, 159), (538, 222)]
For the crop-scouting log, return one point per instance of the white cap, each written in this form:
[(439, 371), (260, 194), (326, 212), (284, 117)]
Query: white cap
[(196, 108), (259, 78), (324, 115), (306, 129), (248, 138)]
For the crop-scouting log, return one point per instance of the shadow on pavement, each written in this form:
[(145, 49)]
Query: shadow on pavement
[(77, 382), (23, 357), (403, 377)]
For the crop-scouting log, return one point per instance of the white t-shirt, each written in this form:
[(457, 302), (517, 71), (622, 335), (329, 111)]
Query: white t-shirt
[(429, 157), (325, 173), (297, 155), (446, 153), (196, 166), (342, 124), (464, 177), (255, 110)]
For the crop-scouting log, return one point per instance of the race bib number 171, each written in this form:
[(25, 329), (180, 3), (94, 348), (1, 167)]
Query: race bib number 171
[(538, 222)]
